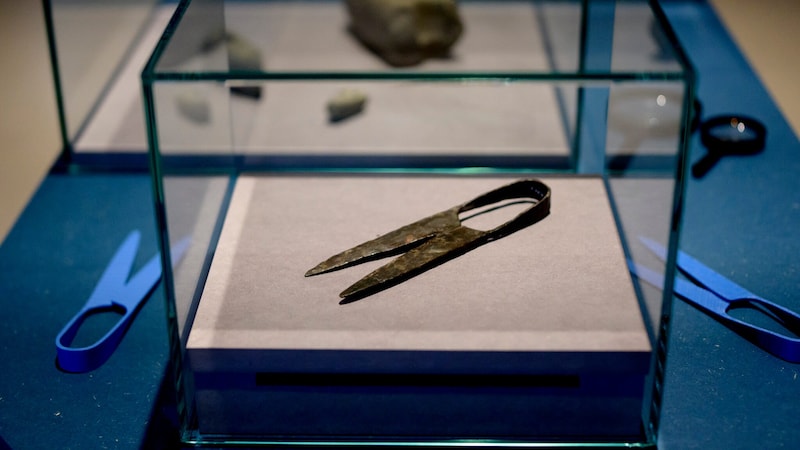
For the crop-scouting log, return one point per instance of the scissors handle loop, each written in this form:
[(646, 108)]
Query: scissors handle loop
[(530, 188), (782, 345), (82, 359)]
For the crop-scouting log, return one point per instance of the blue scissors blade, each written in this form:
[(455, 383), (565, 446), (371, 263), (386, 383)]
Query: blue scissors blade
[(657, 249), (682, 288), (130, 294), (655, 279), (116, 273), (178, 249), (700, 273)]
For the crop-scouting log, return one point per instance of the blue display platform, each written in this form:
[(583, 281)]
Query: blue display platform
[(49, 265), (721, 391), (742, 219)]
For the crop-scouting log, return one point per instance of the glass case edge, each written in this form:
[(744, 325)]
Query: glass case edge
[(660, 359), (66, 147), (148, 74)]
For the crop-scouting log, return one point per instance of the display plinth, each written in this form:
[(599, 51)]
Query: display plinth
[(549, 310)]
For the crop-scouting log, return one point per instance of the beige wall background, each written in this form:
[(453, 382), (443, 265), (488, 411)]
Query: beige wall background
[(768, 32), (29, 136)]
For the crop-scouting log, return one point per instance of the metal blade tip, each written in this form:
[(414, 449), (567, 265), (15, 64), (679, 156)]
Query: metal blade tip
[(360, 289), (314, 271)]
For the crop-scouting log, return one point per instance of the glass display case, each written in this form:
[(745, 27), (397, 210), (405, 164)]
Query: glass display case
[(98, 50), (284, 132)]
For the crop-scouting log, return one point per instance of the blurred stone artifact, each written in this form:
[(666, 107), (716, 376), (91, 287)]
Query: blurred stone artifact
[(406, 32), (194, 106), (345, 104)]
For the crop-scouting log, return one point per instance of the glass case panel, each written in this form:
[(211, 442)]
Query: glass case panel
[(282, 132), (98, 49)]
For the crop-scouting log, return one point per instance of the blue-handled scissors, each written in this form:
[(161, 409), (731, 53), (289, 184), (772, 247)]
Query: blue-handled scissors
[(115, 292), (716, 295)]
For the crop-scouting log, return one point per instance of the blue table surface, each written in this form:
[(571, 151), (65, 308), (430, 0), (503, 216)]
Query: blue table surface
[(721, 391)]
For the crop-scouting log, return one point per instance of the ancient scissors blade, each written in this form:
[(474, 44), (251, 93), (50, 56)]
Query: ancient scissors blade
[(392, 243), (433, 240), (436, 250)]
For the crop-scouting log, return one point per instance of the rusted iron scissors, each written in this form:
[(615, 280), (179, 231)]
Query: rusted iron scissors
[(434, 240)]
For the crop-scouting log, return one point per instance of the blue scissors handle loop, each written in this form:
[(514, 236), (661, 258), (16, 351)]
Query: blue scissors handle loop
[(81, 359), (779, 344)]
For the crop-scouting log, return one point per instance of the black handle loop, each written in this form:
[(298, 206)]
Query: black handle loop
[(529, 188)]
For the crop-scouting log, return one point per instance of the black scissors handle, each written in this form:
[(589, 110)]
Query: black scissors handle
[(534, 189)]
